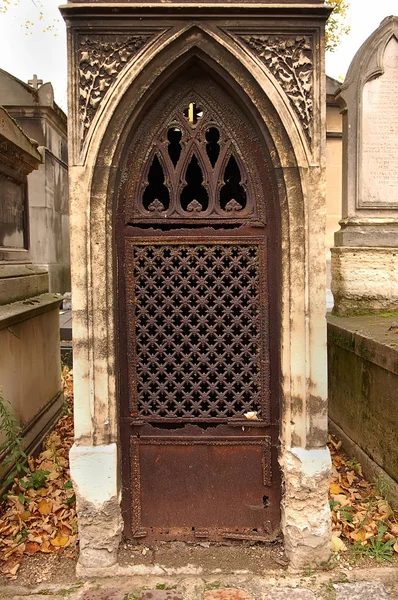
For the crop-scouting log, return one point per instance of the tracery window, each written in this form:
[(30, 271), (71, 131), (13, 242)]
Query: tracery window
[(193, 170)]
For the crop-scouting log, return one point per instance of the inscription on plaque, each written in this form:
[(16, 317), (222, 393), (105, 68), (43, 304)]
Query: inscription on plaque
[(12, 213), (379, 172)]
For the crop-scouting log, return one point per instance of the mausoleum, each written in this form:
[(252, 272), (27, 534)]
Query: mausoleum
[(197, 204)]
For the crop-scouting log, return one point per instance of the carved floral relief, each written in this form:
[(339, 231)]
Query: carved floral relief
[(101, 58), (290, 60)]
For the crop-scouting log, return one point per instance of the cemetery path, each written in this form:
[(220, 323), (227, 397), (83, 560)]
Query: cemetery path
[(339, 584)]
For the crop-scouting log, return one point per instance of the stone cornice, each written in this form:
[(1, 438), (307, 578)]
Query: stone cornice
[(299, 10)]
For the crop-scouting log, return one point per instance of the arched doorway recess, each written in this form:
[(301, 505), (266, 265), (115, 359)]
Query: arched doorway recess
[(198, 326)]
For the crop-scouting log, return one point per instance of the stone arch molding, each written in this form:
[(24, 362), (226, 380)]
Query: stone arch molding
[(109, 64)]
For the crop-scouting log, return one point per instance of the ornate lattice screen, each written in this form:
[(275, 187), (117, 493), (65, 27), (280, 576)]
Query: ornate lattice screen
[(195, 331)]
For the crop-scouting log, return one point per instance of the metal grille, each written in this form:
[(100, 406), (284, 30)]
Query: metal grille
[(197, 328)]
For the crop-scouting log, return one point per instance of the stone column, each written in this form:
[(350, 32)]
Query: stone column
[(365, 257)]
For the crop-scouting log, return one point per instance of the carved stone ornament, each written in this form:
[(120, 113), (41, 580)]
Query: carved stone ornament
[(101, 58), (290, 60)]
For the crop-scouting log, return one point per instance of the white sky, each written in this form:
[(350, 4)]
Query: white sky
[(27, 51)]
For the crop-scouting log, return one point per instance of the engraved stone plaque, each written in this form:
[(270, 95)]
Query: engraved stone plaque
[(378, 179), (12, 213)]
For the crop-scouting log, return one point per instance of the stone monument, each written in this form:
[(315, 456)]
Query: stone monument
[(34, 109), (365, 257), (197, 189), (30, 369)]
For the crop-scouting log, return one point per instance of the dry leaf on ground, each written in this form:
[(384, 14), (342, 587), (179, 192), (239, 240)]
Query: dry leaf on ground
[(39, 514)]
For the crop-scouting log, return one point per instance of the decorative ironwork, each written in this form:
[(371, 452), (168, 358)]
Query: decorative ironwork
[(290, 60), (196, 316), (195, 171)]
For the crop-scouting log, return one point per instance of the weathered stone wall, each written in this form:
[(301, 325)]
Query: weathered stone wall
[(363, 386), (30, 374)]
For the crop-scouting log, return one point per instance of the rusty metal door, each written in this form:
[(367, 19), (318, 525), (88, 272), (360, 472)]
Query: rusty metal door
[(197, 247)]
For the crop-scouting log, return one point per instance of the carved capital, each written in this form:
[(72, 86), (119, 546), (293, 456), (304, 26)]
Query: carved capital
[(290, 60), (100, 60)]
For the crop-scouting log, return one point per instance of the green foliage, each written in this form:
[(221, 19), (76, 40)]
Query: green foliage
[(377, 549), (12, 445), (383, 488), (336, 26), (36, 480), (354, 464)]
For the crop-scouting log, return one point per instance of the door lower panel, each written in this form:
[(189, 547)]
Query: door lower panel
[(190, 487)]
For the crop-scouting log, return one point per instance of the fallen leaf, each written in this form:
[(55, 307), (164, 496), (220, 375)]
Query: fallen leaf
[(32, 548), (341, 499), (338, 544), (359, 537), (350, 477), (59, 540), (335, 488), (43, 507), (394, 530), (396, 547)]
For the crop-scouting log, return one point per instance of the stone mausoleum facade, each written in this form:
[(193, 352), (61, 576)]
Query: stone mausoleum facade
[(197, 206)]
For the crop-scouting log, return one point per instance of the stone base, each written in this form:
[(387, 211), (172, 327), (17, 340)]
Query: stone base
[(305, 507), (94, 472), (368, 233), (364, 280)]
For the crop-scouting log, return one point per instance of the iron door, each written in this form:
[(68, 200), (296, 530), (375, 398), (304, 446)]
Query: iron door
[(199, 400)]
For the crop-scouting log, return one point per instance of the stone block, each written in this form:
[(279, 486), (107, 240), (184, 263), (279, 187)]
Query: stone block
[(364, 280), (160, 595), (227, 594), (104, 594), (360, 590), (289, 594), (18, 282)]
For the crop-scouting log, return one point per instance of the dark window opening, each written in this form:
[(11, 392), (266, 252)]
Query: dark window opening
[(212, 146), (156, 195), (194, 197), (174, 136), (232, 195)]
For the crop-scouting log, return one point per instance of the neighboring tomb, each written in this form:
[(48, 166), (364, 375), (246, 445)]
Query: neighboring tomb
[(365, 257), (362, 357), (30, 373), (47, 216), (363, 385)]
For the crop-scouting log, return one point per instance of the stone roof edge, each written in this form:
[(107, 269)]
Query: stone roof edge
[(57, 109), (21, 140)]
